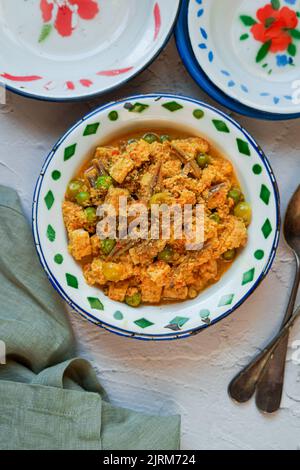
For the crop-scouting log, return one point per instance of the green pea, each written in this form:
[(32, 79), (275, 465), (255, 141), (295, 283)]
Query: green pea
[(107, 246), (150, 138), (165, 138), (235, 194), (203, 160), (160, 198), (112, 271), (192, 293), (166, 255), (243, 211), (229, 255), (82, 197), (90, 213), (74, 187), (133, 300), (215, 217), (104, 182)]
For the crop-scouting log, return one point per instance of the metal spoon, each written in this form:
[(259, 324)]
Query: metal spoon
[(243, 386), (270, 383)]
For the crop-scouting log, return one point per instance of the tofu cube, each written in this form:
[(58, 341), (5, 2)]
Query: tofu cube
[(79, 244), (93, 273), (151, 292), (117, 290), (159, 272), (121, 168), (172, 293)]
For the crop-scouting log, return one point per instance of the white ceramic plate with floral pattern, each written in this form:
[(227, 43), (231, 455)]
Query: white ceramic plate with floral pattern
[(164, 321), (250, 50), (73, 49)]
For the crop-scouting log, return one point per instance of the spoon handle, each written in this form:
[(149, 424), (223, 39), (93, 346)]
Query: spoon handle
[(294, 292), (242, 387), (270, 383)]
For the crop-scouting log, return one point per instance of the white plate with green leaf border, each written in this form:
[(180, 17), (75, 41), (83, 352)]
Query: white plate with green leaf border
[(250, 50), (164, 321), (63, 50)]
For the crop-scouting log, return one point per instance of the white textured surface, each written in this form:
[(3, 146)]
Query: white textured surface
[(188, 377)]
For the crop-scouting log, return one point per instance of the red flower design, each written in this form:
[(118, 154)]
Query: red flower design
[(66, 12), (274, 26), (46, 9)]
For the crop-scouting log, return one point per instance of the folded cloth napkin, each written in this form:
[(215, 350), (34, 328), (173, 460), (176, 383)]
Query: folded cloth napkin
[(49, 398)]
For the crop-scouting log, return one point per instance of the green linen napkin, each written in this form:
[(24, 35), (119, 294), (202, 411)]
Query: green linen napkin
[(49, 398)]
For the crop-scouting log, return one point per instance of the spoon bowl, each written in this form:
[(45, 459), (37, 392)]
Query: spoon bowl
[(292, 223)]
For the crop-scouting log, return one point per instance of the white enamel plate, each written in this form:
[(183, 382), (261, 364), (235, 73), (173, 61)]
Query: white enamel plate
[(250, 50), (168, 321), (72, 49)]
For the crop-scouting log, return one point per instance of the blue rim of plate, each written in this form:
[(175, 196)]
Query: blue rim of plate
[(108, 90), (187, 55), (119, 331)]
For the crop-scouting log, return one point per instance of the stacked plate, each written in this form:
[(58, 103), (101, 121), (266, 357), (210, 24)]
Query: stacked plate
[(245, 55)]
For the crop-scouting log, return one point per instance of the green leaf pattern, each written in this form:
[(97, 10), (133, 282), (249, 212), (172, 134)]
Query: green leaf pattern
[(263, 51), (45, 32), (247, 20)]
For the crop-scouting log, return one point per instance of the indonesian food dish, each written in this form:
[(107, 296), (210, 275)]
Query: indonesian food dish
[(156, 168)]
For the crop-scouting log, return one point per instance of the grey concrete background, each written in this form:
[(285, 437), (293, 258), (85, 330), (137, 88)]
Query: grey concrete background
[(188, 377)]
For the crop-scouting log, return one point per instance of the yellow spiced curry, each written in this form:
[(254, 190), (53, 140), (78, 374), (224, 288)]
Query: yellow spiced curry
[(156, 168)]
